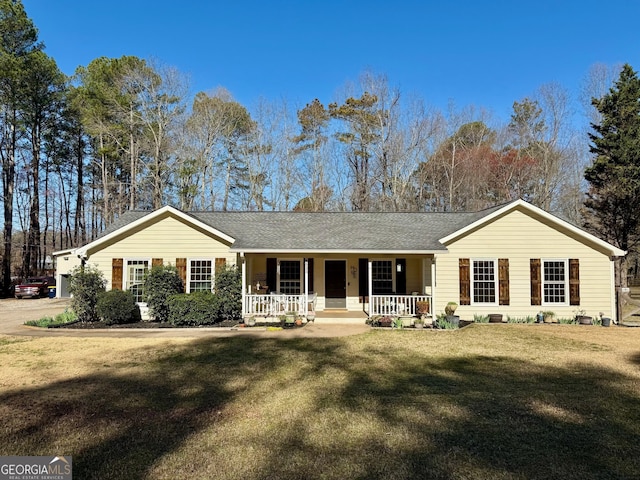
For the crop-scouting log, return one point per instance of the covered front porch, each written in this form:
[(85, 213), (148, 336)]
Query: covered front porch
[(309, 285)]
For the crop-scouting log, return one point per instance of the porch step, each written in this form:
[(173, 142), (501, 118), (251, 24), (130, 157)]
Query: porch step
[(341, 316), (340, 320)]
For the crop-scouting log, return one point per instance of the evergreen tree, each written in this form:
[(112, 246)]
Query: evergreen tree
[(614, 195), (18, 43), (613, 199)]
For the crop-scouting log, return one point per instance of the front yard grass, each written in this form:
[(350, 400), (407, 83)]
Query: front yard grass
[(487, 401)]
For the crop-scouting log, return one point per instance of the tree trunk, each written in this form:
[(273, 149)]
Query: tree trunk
[(33, 261), (80, 231), (8, 183)]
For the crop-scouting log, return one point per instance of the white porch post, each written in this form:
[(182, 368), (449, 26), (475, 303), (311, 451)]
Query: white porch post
[(370, 285), (243, 264), (305, 298), (433, 287)]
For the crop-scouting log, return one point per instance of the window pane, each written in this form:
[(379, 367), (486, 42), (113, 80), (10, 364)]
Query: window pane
[(484, 281), (554, 287), (135, 277), (290, 277), (382, 277), (200, 276)]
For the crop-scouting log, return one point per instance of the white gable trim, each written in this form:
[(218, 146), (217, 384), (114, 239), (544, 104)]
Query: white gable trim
[(614, 251), (162, 212)]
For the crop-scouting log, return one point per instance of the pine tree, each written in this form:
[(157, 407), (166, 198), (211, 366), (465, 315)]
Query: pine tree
[(614, 195), (613, 199)]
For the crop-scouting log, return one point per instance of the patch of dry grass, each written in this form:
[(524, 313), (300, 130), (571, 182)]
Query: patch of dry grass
[(488, 401)]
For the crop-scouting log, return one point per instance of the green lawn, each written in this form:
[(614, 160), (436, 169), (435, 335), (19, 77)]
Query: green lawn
[(485, 402)]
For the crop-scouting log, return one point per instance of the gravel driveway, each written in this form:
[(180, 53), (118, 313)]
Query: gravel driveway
[(14, 312)]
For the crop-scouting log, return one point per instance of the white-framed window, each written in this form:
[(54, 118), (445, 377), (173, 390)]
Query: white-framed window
[(555, 281), (382, 277), (290, 277), (201, 275), (134, 277), (484, 281)]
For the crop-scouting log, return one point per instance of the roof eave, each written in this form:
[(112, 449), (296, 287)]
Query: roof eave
[(336, 251)]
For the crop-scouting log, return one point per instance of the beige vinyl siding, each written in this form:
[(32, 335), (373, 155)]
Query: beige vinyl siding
[(519, 237), (67, 262), (168, 238)]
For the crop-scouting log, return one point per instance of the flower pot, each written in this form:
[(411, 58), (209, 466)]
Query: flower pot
[(453, 319), (418, 325), (495, 318), (584, 320), (606, 321)]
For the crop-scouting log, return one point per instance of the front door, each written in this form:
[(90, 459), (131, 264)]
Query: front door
[(335, 283)]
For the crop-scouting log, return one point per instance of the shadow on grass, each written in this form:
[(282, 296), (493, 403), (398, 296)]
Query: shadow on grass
[(390, 413)]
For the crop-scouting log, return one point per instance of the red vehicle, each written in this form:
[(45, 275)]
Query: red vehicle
[(34, 287)]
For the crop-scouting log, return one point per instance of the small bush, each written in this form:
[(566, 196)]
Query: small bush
[(477, 318), (86, 284), (193, 309), (60, 319), (116, 307), (228, 289), (527, 319), (160, 283)]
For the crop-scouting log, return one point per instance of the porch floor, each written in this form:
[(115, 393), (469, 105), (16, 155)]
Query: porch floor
[(341, 316)]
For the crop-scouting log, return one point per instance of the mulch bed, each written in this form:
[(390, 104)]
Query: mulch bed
[(146, 325)]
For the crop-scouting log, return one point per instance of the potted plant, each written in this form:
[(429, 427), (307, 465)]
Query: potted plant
[(582, 318), (250, 321), (422, 307), (548, 316), (450, 310)]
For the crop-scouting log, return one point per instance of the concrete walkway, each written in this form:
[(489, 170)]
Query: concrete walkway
[(13, 314)]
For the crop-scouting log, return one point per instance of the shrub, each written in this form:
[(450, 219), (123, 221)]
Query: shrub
[(161, 282), (60, 319), (228, 289), (198, 308), (86, 284), (118, 307)]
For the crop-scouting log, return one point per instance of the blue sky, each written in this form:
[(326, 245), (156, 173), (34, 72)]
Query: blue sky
[(488, 54)]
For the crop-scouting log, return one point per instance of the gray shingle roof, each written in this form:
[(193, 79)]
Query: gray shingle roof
[(329, 231)]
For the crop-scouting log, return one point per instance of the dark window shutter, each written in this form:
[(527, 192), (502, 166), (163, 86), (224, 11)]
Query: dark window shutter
[(181, 266), (401, 276), (465, 281), (116, 274), (220, 263), (272, 274), (363, 278), (503, 281), (574, 281), (310, 267), (155, 262), (536, 282)]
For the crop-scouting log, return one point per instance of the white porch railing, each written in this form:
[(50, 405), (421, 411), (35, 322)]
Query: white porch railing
[(398, 305), (273, 305)]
